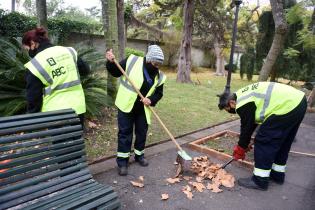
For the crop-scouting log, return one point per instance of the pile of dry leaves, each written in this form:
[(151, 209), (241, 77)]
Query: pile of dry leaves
[(208, 176)]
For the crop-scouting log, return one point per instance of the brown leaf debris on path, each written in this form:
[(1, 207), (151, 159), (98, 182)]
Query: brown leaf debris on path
[(164, 196)]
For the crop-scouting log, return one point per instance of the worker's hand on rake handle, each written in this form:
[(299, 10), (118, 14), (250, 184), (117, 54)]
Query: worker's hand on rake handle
[(146, 101), (110, 55), (239, 153)]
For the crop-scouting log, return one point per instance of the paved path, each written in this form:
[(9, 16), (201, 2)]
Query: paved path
[(297, 193)]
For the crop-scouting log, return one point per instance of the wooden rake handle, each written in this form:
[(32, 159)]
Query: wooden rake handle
[(152, 110)]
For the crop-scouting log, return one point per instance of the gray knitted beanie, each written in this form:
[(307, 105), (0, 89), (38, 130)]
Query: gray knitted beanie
[(155, 54)]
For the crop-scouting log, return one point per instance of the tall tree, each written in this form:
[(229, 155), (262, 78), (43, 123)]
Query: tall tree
[(12, 5), (109, 15), (41, 10), (281, 28), (121, 28), (184, 61)]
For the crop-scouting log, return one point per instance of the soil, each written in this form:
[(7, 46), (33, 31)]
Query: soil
[(226, 144)]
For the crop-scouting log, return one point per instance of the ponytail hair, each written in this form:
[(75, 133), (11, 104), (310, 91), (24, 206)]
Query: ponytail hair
[(38, 35)]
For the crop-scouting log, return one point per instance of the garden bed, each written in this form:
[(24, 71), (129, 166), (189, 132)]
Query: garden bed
[(220, 145)]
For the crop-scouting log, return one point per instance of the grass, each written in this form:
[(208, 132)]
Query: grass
[(183, 108)]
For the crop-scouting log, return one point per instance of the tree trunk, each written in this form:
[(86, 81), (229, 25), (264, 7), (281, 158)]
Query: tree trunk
[(109, 15), (220, 71), (311, 98), (281, 28), (12, 5), (41, 10), (121, 28), (184, 61)]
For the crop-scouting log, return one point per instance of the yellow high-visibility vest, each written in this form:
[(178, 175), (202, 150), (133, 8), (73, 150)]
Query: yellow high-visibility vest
[(56, 67), (270, 98), (126, 95)]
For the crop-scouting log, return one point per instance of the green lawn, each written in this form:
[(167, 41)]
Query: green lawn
[(183, 108)]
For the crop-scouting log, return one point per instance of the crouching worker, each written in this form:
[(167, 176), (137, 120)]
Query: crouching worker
[(52, 76), (134, 114), (279, 109)]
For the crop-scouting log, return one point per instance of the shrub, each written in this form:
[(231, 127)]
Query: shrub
[(129, 51)]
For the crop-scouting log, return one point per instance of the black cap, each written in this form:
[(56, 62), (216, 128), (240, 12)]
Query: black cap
[(223, 99)]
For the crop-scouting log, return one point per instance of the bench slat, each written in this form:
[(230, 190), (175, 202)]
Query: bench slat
[(36, 180), (114, 205), (85, 198), (29, 136), (37, 120), (39, 150), (40, 141), (41, 156), (41, 171), (35, 115), (101, 200), (23, 169), (35, 127), (63, 195), (36, 191)]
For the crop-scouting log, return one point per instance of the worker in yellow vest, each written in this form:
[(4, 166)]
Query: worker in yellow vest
[(52, 77), (133, 113), (279, 110)]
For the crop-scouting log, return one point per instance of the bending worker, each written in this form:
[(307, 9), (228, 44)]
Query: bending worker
[(132, 112), (52, 79), (279, 109)]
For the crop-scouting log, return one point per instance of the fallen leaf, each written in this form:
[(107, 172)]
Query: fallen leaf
[(164, 196), (141, 178), (115, 182), (92, 124), (199, 179), (187, 178), (199, 186), (179, 170), (173, 180), (187, 191), (175, 163), (137, 184), (216, 189)]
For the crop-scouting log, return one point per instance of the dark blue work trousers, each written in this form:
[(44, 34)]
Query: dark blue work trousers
[(127, 122), (275, 136)]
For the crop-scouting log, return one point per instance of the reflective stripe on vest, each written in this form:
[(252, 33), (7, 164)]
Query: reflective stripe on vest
[(49, 91), (125, 82), (261, 172), (42, 71), (278, 168), (56, 67), (270, 98)]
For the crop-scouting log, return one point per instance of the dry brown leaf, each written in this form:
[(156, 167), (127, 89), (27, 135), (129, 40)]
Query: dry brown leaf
[(228, 181), (187, 191), (202, 174), (175, 163), (137, 184), (164, 196), (141, 178), (173, 180), (187, 178), (92, 124), (216, 189), (199, 186), (179, 170), (199, 179)]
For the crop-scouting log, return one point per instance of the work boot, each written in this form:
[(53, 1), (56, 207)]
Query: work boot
[(123, 171), (277, 177), (142, 161), (251, 183)]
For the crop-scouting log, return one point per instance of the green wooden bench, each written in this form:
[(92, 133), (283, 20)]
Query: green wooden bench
[(43, 165)]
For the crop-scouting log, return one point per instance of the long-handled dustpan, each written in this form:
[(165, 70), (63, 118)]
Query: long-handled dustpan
[(182, 154)]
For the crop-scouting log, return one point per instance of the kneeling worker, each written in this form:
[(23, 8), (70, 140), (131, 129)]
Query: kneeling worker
[(132, 112), (279, 109)]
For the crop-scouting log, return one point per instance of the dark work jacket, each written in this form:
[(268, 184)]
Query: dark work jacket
[(153, 72), (248, 124), (34, 87)]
